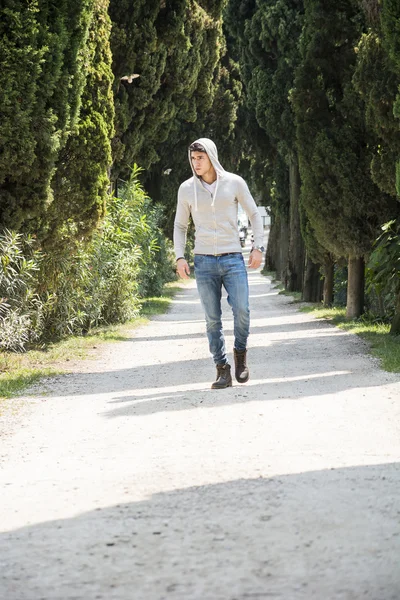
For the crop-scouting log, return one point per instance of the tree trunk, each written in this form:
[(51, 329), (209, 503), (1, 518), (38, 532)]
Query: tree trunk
[(395, 326), (277, 250), (312, 288), (273, 239), (295, 272), (355, 288), (152, 184), (328, 282), (283, 252)]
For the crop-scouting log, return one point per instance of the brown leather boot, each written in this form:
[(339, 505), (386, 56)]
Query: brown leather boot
[(224, 377), (241, 370)]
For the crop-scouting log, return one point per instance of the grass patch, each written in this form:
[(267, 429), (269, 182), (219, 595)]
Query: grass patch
[(278, 285), (384, 346), (295, 295), (12, 383), (159, 305), (271, 274), (18, 371)]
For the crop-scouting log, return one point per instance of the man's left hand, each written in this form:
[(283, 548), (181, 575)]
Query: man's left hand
[(255, 259)]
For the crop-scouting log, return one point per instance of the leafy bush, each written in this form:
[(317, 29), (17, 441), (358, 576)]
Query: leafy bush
[(383, 271), (134, 224), (22, 310), (127, 259), (80, 285), (158, 261)]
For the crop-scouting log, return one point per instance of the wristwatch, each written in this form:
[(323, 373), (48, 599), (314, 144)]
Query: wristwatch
[(260, 248)]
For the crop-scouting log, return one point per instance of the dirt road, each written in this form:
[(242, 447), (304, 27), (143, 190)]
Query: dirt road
[(130, 479)]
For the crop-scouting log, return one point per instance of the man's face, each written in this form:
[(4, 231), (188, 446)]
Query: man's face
[(201, 163)]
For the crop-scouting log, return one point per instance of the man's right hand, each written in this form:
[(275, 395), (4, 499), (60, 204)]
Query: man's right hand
[(182, 268)]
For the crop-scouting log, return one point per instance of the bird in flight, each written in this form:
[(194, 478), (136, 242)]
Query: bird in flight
[(130, 78)]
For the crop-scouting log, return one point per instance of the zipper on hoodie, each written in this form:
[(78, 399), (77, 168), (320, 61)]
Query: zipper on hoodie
[(215, 226), (215, 220)]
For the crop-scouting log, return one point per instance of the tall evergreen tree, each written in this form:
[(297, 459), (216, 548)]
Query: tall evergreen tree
[(390, 21), (41, 82), (216, 122), (267, 39), (337, 193), (172, 49), (377, 79), (81, 179)]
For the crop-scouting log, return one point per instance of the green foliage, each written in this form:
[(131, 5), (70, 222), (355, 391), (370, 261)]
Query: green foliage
[(126, 260), (138, 221), (250, 41), (175, 51), (273, 35), (22, 52), (384, 261), (390, 21), (41, 82), (383, 268), (266, 41), (76, 287), (217, 121), (277, 81), (57, 117), (340, 285), (22, 311), (376, 81), (338, 195), (80, 193)]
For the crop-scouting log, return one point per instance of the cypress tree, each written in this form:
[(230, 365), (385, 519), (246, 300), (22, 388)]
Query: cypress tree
[(377, 79), (267, 38), (81, 180), (217, 122), (337, 192), (21, 53), (390, 21), (174, 50), (194, 90), (40, 88)]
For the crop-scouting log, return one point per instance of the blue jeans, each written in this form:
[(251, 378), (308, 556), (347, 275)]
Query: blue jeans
[(213, 272)]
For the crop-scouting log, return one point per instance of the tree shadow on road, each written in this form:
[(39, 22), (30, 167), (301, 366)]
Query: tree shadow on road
[(332, 534), (285, 369), (316, 326)]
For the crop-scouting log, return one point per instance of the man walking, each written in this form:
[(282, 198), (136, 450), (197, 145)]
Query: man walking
[(211, 196)]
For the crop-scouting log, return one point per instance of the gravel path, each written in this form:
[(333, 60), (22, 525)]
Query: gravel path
[(130, 479)]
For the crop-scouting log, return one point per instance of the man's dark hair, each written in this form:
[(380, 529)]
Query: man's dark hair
[(196, 147)]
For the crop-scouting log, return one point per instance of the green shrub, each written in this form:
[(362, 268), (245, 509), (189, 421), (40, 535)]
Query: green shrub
[(158, 259), (80, 285), (22, 310), (383, 271)]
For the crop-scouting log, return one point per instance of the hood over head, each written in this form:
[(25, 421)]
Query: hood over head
[(212, 153)]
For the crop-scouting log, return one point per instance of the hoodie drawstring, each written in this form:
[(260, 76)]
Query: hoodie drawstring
[(212, 153), (215, 192)]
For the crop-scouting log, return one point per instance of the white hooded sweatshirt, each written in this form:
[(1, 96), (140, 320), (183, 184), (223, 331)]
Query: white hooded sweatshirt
[(215, 216)]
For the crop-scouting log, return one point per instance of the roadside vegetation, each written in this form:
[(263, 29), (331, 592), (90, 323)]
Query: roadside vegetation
[(18, 370), (48, 294), (301, 97), (57, 305), (384, 346), (374, 330)]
